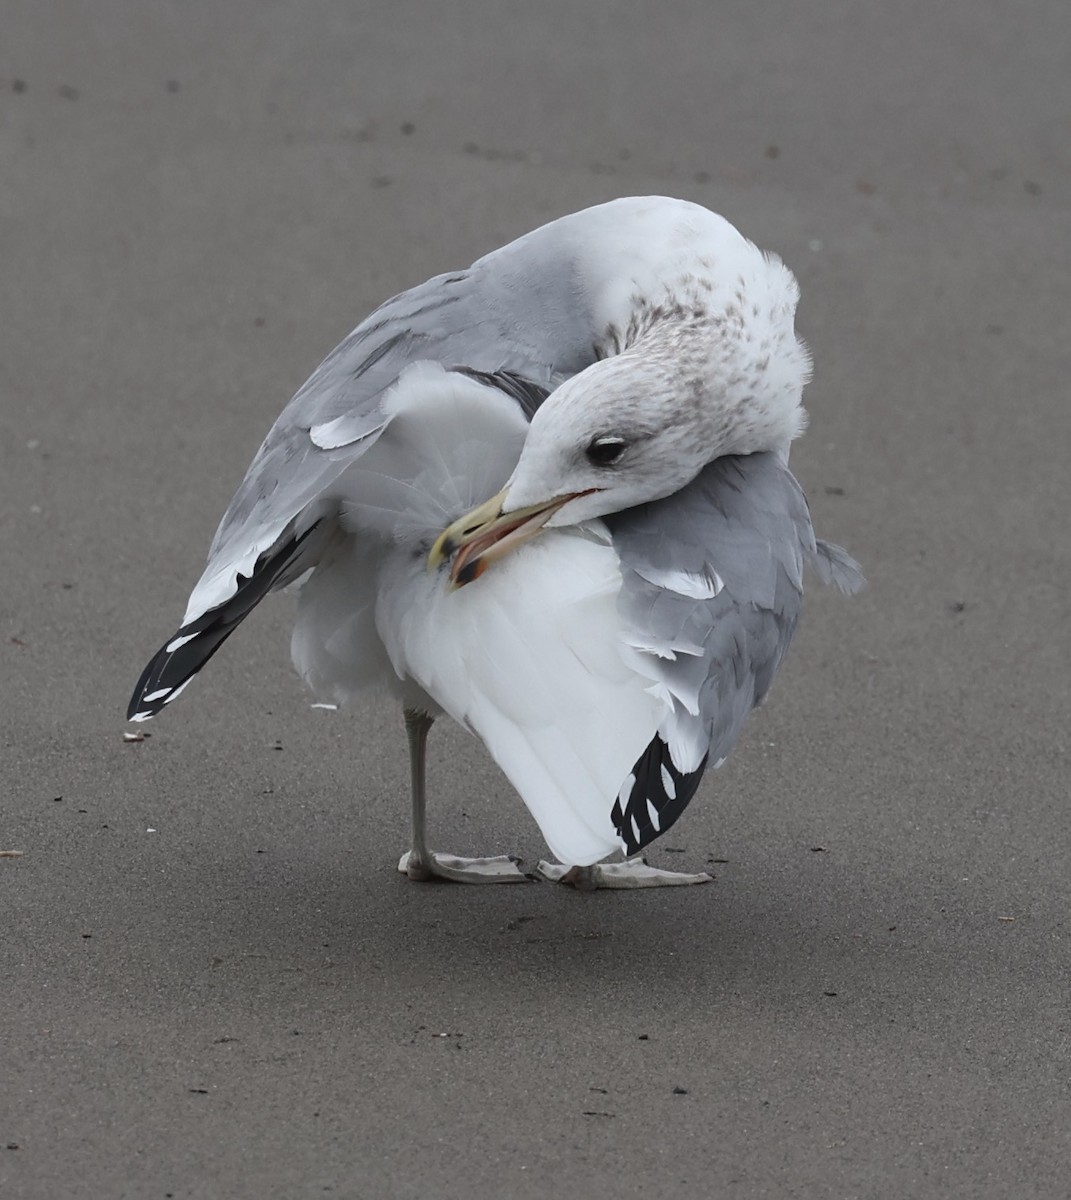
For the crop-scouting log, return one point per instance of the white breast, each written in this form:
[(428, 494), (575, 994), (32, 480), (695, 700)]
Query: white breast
[(531, 658)]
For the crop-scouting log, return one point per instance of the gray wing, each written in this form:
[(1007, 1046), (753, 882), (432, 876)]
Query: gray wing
[(518, 310), (712, 585)]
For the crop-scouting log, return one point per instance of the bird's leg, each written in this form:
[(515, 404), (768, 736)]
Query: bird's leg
[(632, 873), (417, 863), (420, 863)]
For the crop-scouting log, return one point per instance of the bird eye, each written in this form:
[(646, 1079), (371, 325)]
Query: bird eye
[(605, 451)]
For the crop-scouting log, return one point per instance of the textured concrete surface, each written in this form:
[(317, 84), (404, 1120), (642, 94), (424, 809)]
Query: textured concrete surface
[(212, 982)]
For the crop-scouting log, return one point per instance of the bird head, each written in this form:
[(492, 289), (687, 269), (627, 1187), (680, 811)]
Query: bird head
[(706, 381)]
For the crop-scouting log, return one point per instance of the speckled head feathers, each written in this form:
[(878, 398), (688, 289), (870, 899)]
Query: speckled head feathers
[(698, 359)]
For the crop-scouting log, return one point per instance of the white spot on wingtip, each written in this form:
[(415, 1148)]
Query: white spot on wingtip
[(652, 813), (178, 691), (154, 696), (668, 786), (173, 645)]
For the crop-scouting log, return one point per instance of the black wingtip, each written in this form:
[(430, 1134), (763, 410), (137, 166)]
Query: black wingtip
[(173, 666), (660, 785), (137, 710), (187, 651)]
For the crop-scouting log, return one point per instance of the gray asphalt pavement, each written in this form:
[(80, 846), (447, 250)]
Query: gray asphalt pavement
[(213, 983)]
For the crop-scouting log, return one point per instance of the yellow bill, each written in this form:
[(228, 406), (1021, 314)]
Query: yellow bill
[(486, 534)]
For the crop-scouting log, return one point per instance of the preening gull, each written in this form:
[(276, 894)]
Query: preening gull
[(549, 496)]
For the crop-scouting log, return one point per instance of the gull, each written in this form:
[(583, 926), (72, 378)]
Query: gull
[(548, 496)]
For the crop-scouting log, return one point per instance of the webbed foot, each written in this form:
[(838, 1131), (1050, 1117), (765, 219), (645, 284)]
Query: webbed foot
[(632, 873), (503, 869)]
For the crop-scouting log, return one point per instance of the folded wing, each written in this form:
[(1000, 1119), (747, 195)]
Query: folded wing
[(712, 586)]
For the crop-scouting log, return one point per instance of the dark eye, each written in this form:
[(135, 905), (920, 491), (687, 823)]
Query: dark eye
[(605, 451)]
